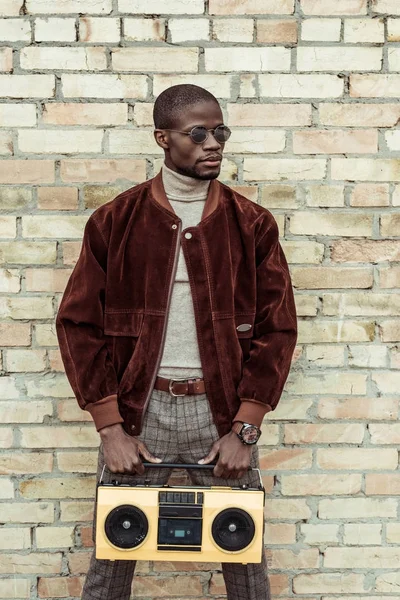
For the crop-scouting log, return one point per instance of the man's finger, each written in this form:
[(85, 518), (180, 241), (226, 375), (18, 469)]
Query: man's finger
[(210, 456), (148, 455)]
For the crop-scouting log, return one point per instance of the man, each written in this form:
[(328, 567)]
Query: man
[(178, 325)]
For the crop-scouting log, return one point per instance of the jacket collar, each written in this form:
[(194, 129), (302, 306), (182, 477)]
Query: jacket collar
[(211, 203)]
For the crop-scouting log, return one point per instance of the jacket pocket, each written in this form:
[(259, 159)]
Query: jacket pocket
[(121, 332), (244, 326)]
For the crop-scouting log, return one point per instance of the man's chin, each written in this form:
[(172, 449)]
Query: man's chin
[(208, 174)]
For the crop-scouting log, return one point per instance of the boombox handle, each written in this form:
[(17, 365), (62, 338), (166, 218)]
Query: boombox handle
[(185, 466)]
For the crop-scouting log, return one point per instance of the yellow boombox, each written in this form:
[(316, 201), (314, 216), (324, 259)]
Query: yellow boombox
[(180, 523)]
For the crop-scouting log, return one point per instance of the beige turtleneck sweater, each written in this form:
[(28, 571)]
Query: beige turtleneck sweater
[(181, 356)]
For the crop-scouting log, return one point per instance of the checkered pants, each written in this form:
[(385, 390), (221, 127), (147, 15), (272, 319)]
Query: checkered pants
[(178, 430)]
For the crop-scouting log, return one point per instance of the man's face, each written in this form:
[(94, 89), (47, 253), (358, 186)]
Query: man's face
[(202, 161)]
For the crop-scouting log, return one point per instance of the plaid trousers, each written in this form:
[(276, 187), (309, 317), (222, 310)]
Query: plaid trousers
[(180, 430)]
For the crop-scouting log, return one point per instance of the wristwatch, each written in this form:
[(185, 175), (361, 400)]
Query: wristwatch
[(247, 433)]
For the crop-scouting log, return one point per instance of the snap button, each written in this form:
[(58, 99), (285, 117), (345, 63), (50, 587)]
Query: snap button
[(174, 226), (244, 327), (188, 235)]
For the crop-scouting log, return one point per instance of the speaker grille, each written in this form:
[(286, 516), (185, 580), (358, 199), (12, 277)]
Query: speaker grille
[(126, 526), (233, 529)]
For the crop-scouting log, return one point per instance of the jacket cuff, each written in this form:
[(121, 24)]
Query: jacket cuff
[(105, 412), (252, 412)]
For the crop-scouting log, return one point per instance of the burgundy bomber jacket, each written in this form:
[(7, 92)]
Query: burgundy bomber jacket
[(112, 317)]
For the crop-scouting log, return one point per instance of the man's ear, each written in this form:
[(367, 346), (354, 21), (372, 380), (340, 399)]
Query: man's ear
[(160, 136)]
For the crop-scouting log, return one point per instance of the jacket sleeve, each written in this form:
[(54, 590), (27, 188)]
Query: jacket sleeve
[(275, 332), (79, 327)]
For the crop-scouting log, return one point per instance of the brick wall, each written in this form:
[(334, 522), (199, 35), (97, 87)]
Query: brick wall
[(311, 91)]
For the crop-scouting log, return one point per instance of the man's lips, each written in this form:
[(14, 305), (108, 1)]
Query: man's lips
[(213, 161)]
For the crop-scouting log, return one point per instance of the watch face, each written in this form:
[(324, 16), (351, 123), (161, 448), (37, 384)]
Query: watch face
[(250, 435)]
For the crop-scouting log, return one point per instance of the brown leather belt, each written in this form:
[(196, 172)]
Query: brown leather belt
[(180, 387)]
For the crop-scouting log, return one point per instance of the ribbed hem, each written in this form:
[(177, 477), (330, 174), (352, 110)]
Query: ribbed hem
[(252, 412), (105, 412)]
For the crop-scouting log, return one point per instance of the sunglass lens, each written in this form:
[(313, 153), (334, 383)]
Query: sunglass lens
[(222, 134), (198, 134)]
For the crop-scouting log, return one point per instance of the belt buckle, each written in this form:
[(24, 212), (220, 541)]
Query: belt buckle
[(171, 381)]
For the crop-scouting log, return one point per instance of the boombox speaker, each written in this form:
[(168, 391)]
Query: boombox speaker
[(180, 523)]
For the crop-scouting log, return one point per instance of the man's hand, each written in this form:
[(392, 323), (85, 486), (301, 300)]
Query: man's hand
[(121, 451), (234, 457)]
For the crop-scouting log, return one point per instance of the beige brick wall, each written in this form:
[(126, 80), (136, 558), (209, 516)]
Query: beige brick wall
[(311, 91)]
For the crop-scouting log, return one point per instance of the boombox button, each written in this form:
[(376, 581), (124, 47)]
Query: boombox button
[(184, 497), (191, 497), (170, 497), (177, 497), (163, 496), (200, 497)]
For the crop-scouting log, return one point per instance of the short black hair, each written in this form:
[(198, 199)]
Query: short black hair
[(175, 99)]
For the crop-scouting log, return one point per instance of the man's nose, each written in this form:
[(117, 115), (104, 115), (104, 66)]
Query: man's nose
[(211, 143)]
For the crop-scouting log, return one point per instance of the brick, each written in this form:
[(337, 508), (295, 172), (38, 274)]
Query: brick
[(79, 462), (69, 6), (340, 7), (26, 171), (361, 304), (269, 115), (320, 141), (272, 31), (324, 433), (60, 587), (21, 411), (99, 29), (58, 198), (6, 489), (10, 8), (59, 437), (365, 250), (6, 438), (103, 170), (386, 6), (338, 224), (307, 558), (285, 459), (374, 86), (331, 277), (23, 463), (392, 140), (248, 85), (332, 356), (356, 508), (370, 194), (6, 143), (104, 86), (54, 537), (159, 60), (188, 30), (85, 114), (248, 191), (82, 59), (264, 169), (358, 534), (7, 227), (190, 585), (46, 280), (368, 356), (353, 115), (355, 558), (15, 198), (34, 307), (387, 582), (329, 583), (233, 30), (365, 30), (387, 382), (319, 534), (15, 30), (96, 195), (219, 85), (320, 58), (17, 115), (76, 511), (393, 533), (393, 27), (27, 512), (33, 564), (279, 196), (69, 410), (320, 30), (15, 334), (396, 196), (9, 281), (256, 142), (57, 141), (57, 487), (6, 59), (19, 361), (253, 59), (390, 331), (357, 458), (324, 195), (290, 409), (53, 226), (303, 252), (27, 86), (15, 588), (151, 7), (55, 29), (329, 331), (382, 484), (287, 509), (28, 253), (320, 485), (144, 30), (133, 142), (242, 7), (389, 277), (280, 533), (358, 408), (300, 86), (332, 383)]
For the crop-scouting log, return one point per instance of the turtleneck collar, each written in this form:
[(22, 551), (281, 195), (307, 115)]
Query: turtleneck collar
[(182, 187)]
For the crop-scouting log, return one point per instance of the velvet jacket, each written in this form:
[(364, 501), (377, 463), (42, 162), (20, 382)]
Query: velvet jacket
[(112, 318)]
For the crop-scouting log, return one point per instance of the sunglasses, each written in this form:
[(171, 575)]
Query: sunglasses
[(199, 134)]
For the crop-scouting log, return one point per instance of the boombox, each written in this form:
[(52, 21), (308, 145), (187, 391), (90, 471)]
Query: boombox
[(180, 523)]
